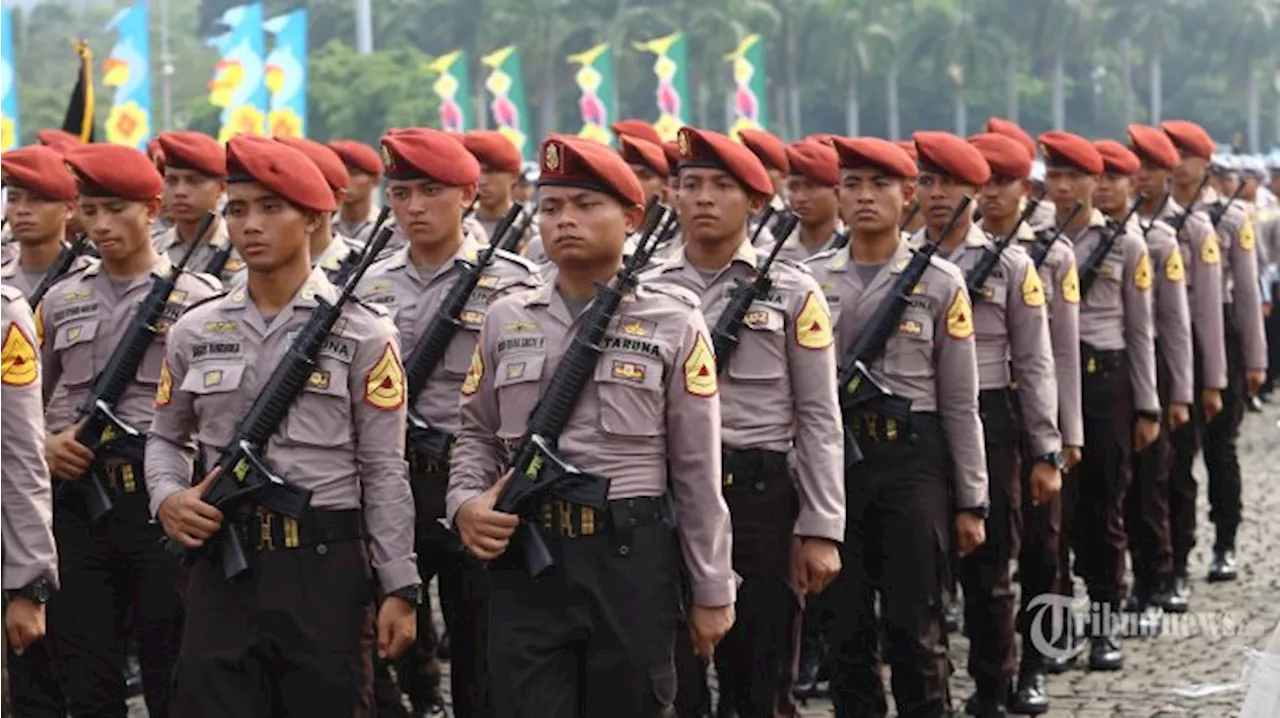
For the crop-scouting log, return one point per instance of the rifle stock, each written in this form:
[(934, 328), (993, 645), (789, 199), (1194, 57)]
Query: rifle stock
[(1092, 266), (1040, 250), (986, 264), (724, 336)]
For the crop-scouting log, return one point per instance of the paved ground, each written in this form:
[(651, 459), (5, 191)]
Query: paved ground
[(1167, 677)]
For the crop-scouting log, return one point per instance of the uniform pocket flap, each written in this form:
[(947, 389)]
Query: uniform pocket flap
[(630, 371), (209, 378), (76, 332), (518, 369)]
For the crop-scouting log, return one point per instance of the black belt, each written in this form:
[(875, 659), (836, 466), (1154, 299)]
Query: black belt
[(566, 519), (424, 463), (264, 530), (870, 426), (123, 478), (1098, 361), (757, 463), (995, 399)]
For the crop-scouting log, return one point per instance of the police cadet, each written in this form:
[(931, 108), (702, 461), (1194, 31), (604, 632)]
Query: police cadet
[(1245, 338), (500, 166), (1043, 214), (357, 212), (330, 251), (1013, 349), (1202, 263), (913, 221), (1146, 505), (30, 556), (776, 396), (430, 182), (1118, 384), (295, 636), (195, 170), (811, 185), (1002, 202), (595, 635), (41, 200), (649, 163), (899, 510), (115, 566)]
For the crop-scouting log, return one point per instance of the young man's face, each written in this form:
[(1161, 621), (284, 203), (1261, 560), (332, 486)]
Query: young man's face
[(495, 187), (872, 202), (1065, 186), (1000, 198), (813, 203), (32, 219), (267, 230), (1191, 170), (582, 227), (1113, 192), (939, 195), (189, 194), (362, 184), (119, 228), (713, 205), (1153, 181), (651, 182), (428, 212)]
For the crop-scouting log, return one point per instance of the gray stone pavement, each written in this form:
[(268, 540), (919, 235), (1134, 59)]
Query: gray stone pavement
[(1206, 648)]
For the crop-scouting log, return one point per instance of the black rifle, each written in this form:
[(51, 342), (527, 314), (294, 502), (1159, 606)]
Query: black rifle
[(858, 387), (1221, 211), (986, 264), (444, 325), (1164, 202), (242, 472), (911, 214), (1092, 265), (354, 257), (1040, 250), (59, 268), (538, 468), (724, 336), (1181, 221), (102, 430)]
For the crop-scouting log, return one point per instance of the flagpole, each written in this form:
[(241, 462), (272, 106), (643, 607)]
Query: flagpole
[(166, 69)]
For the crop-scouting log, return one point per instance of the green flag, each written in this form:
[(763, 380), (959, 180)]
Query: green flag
[(750, 84), (453, 89), (595, 83), (505, 84), (671, 67)]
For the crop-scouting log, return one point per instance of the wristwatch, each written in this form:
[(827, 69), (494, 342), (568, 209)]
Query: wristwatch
[(1054, 459), (1151, 415), (38, 592), (981, 510), (414, 595)]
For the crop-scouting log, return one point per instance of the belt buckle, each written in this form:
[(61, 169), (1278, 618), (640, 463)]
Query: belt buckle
[(891, 429), (588, 521), (566, 519), (266, 539), (1091, 366)]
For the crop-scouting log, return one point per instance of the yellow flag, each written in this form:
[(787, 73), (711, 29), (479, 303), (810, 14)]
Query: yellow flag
[(475, 373), (1071, 286), (813, 325), (384, 387), (1032, 289), (1173, 269), (18, 365), (700, 369), (1142, 275), (960, 317)]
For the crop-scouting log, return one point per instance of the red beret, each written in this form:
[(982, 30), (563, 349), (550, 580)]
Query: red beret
[(909, 146), (193, 151), (115, 171), (704, 148), (281, 169), (672, 151), (768, 148), (945, 153), (358, 155), (1064, 148), (1153, 145), (1001, 126), (1190, 137), (637, 151), (816, 160), (1117, 158), (326, 160), (156, 153), (58, 138), (863, 152), (636, 128), (583, 163), (825, 138), (494, 150), (423, 153), (40, 170), (1005, 155)]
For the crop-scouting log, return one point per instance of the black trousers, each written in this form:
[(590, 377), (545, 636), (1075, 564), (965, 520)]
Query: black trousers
[(1146, 506), (1038, 559), (34, 689), (896, 537), (594, 635), (985, 575), (292, 640), (113, 574), (1221, 456)]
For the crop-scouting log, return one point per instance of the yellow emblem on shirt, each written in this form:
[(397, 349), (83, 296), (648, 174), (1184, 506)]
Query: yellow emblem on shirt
[(39, 326), (1142, 274), (1247, 240), (474, 374), (384, 387), (1209, 252), (18, 365), (1032, 289), (1173, 269), (164, 391), (813, 324), (1071, 286), (960, 317), (700, 369)]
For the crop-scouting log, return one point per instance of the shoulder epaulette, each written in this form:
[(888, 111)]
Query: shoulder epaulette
[(516, 259), (680, 293), (10, 292), (376, 309), (206, 300), (795, 264), (213, 282), (820, 256)]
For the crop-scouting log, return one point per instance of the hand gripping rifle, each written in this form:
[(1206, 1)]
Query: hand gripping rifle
[(102, 429), (858, 387), (986, 264), (724, 336), (60, 267), (1040, 250), (242, 473), (538, 469), (1092, 266), (444, 325)]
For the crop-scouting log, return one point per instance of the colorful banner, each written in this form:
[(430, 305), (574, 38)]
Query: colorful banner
[(595, 81), (750, 85), (237, 86), (453, 87), (10, 127), (128, 69), (286, 75), (672, 71), (505, 83)]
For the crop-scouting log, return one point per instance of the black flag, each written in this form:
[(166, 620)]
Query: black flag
[(79, 118)]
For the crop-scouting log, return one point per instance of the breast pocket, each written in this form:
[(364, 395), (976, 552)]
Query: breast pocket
[(149, 368), (910, 349), (74, 345), (516, 380), (989, 313), (214, 388), (457, 358), (321, 415), (631, 399), (1105, 291), (761, 352)]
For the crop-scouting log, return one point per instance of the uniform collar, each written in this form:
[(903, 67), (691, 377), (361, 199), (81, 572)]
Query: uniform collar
[(1025, 232), (316, 286), (468, 250), (745, 253), (334, 255), (1096, 218)]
